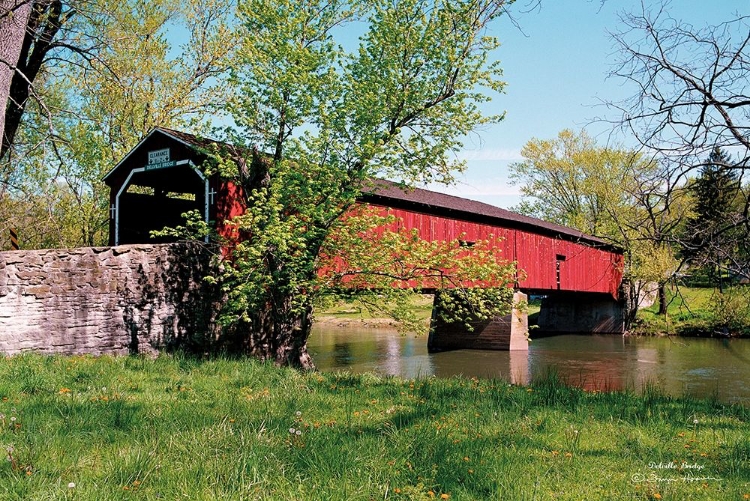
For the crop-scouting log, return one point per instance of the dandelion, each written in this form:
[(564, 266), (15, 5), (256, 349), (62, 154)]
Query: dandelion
[(12, 418), (445, 496), (298, 432), (657, 496), (291, 431), (568, 454), (71, 485), (298, 413), (695, 421)]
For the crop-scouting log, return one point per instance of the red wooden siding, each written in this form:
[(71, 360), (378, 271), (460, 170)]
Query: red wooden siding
[(585, 268)]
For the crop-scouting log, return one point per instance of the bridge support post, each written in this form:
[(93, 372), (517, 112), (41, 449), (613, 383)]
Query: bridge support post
[(581, 312), (500, 333)]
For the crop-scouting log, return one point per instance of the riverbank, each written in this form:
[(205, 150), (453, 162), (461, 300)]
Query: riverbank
[(103, 428), (698, 312), (691, 312)]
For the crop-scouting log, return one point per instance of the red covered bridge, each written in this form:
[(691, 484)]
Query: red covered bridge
[(578, 274)]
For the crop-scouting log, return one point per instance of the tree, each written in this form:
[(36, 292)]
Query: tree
[(39, 30), (690, 85), (612, 193), (330, 120), (690, 91), (14, 15), (569, 181), (714, 236), (109, 76)]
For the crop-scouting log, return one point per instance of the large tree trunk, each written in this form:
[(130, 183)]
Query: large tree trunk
[(41, 27), (279, 334), (14, 16)]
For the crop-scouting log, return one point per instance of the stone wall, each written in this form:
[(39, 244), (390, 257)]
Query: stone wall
[(119, 300)]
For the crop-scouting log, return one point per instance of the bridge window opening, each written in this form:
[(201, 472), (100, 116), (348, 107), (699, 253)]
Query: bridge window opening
[(466, 243), (140, 190), (181, 196), (559, 259)]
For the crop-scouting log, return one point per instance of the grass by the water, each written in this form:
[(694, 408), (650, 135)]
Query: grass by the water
[(105, 428), (698, 311)]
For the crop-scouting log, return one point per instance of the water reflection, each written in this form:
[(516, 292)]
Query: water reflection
[(700, 367)]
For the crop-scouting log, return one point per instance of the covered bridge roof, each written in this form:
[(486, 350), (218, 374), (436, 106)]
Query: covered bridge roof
[(393, 195), (387, 193)]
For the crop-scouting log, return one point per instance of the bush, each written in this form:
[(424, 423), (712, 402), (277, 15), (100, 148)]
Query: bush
[(730, 311)]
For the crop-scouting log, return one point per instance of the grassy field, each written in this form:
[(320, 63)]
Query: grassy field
[(692, 312), (84, 428), (350, 312)]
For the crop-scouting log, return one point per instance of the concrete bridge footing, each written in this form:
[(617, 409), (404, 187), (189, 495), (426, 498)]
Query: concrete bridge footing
[(581, 312), (508, 333)]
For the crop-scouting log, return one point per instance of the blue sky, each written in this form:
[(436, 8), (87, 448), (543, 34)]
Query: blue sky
[(555, 66)]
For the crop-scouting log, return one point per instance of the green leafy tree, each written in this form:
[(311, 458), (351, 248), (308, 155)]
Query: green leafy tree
[(110, 76), (331, 119), (569, 181), (715, 236), (614, 194)]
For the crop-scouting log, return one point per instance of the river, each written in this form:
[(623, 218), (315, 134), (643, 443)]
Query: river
[(678, 366)]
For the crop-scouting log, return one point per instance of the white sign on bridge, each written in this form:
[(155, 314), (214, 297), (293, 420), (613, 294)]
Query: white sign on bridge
[(158, 156)]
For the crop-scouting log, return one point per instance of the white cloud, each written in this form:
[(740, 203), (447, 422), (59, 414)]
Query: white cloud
[(500, 154), (497, 192)]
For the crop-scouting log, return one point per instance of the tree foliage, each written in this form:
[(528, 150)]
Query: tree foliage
[(330, 119), (315, 118), (716, 240), (108, 76), (612, 193), (569, 181)]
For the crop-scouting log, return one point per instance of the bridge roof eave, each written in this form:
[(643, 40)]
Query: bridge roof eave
[(389, 194)]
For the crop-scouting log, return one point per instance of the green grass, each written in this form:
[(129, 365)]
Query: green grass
[(692, 311), (351, 310), (178, 428)]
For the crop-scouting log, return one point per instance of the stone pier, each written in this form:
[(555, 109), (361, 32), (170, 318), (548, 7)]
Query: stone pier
[(501, 333)]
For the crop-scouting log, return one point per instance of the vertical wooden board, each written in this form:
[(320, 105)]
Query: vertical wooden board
[(585, 268)]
